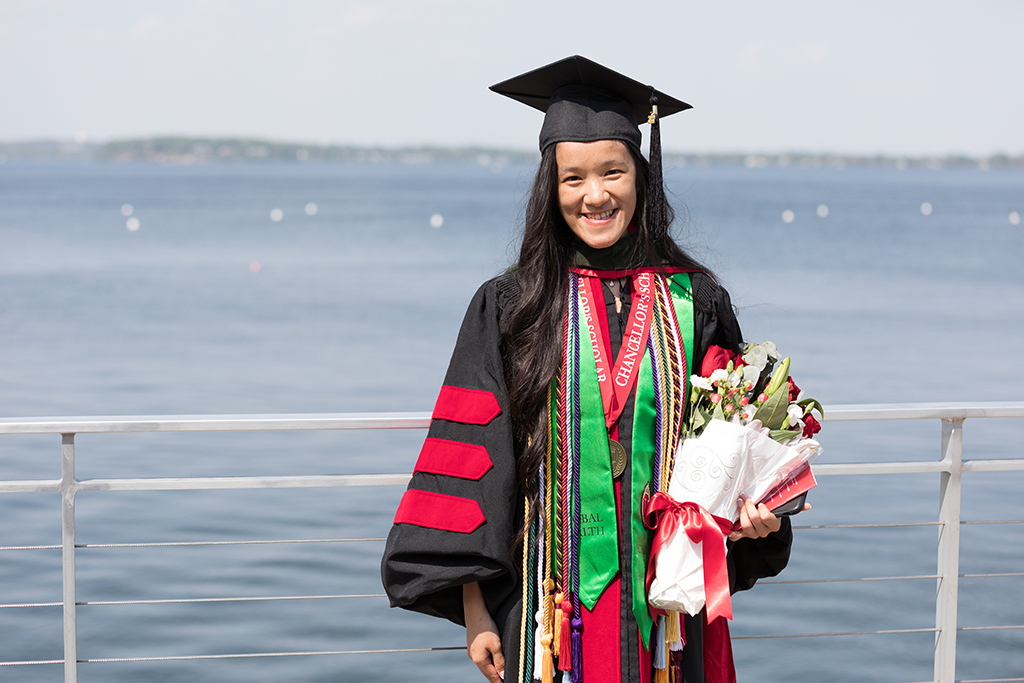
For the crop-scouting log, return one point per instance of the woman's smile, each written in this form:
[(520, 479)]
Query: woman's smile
[(596, 190), (599, 217)]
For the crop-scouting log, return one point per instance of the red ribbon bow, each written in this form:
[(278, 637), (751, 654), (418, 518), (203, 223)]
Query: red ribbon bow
[(665, 513)]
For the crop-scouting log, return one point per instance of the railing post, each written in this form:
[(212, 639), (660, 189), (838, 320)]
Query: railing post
[(67, 493), (949, 550)]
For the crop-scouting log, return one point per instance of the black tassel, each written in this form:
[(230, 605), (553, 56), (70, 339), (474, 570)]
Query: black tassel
[(656, 184)]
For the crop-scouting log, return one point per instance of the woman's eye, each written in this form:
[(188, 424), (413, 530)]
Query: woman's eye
[(571, 179), (614, 172)]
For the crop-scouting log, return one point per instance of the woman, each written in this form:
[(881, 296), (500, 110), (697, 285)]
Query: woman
[(560, 413)]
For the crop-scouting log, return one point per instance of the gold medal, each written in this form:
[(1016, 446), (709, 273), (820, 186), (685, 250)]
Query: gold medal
[(618, 457)]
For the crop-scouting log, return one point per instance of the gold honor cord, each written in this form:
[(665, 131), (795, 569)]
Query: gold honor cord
[(548, 586), (525, 610)]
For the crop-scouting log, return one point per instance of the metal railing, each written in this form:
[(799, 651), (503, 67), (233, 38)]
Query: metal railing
[(950, 467)]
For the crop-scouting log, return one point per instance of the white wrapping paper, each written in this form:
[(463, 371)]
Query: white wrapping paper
[(726, 463)]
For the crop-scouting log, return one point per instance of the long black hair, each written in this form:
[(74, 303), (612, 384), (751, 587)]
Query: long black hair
[(533, 337)]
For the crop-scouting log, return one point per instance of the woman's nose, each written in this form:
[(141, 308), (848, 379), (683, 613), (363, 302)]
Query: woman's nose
[(596, 194)]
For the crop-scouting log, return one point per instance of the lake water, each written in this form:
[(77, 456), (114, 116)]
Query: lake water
[(356, 308)]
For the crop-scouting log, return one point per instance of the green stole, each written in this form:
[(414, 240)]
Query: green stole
[(599, 560)]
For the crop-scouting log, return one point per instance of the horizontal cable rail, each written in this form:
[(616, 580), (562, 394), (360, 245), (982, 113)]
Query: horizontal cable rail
[(212, 423), (888, 631), (250, 655), (997, 521), (890, 525), (421, 420), (950, 466), (178, 544), (243, 655), (172, 544), (986, 576), (166, 601), (762, 582), (176, 601), (1015, 627), (273, 598)]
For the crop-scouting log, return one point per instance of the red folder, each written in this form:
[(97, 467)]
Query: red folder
[(797, 484)]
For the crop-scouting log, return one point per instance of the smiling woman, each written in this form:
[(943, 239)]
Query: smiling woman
[(561, 412), (596, 190)]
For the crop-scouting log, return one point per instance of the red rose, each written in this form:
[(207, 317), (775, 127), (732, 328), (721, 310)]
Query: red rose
[(717, 358), (794, 390), (811, 426)]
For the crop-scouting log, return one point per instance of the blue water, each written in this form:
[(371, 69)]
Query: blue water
[(356, 308)]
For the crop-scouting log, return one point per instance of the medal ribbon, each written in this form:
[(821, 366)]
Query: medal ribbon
[(618, 382)]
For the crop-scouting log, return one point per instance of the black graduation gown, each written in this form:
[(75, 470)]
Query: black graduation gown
[(457, 521)]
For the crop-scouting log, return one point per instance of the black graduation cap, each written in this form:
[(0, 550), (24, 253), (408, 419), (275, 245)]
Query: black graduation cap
[(584, 101)]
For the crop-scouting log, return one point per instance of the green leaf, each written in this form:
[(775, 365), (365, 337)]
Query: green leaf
[(773, 412), (719, 414), (813, 403), (784, 435), (698, 419)]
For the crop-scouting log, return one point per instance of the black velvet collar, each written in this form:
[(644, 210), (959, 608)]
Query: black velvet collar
[(622, 255)]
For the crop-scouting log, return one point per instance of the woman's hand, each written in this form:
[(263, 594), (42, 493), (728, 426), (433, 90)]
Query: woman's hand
[(482, 639), (756, 521)]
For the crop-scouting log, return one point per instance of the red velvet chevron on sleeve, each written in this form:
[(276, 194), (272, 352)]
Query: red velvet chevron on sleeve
[(439, 511), (469, 406), (454, 459)]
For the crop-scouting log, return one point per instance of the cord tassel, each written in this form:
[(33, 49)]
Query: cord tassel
[(547, 672), (547, 635), (659, 645), (674, 631), (576, 675), (538, 644), (677, 667), (564, 637)]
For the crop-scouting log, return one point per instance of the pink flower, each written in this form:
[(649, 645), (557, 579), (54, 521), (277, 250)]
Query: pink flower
[(716, 399)]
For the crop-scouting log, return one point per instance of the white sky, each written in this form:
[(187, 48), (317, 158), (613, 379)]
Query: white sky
[(893, 77)]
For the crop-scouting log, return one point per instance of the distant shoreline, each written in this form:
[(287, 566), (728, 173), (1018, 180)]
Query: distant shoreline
[(199, 150)]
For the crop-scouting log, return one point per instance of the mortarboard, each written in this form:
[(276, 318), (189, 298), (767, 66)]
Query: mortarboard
[(584, 101)]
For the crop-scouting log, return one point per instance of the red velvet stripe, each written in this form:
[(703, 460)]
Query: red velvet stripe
[(718, 662), (469, 406), (602, 650), (454, 459), (439, 511)]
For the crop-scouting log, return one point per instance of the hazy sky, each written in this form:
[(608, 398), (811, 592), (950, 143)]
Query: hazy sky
[(895, 77)]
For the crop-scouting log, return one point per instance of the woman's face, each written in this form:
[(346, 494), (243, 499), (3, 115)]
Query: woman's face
[(596, 189)]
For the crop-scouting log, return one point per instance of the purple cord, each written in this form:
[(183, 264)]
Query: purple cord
[(658, 412), (576, 624)]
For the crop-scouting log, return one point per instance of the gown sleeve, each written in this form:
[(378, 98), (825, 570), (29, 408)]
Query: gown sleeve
[(749, 559), (455, 523)]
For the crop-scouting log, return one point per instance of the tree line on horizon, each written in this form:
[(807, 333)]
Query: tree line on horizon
[(180, 150)]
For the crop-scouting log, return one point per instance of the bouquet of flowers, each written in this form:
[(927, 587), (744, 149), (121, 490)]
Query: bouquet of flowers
[(749, 436)]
